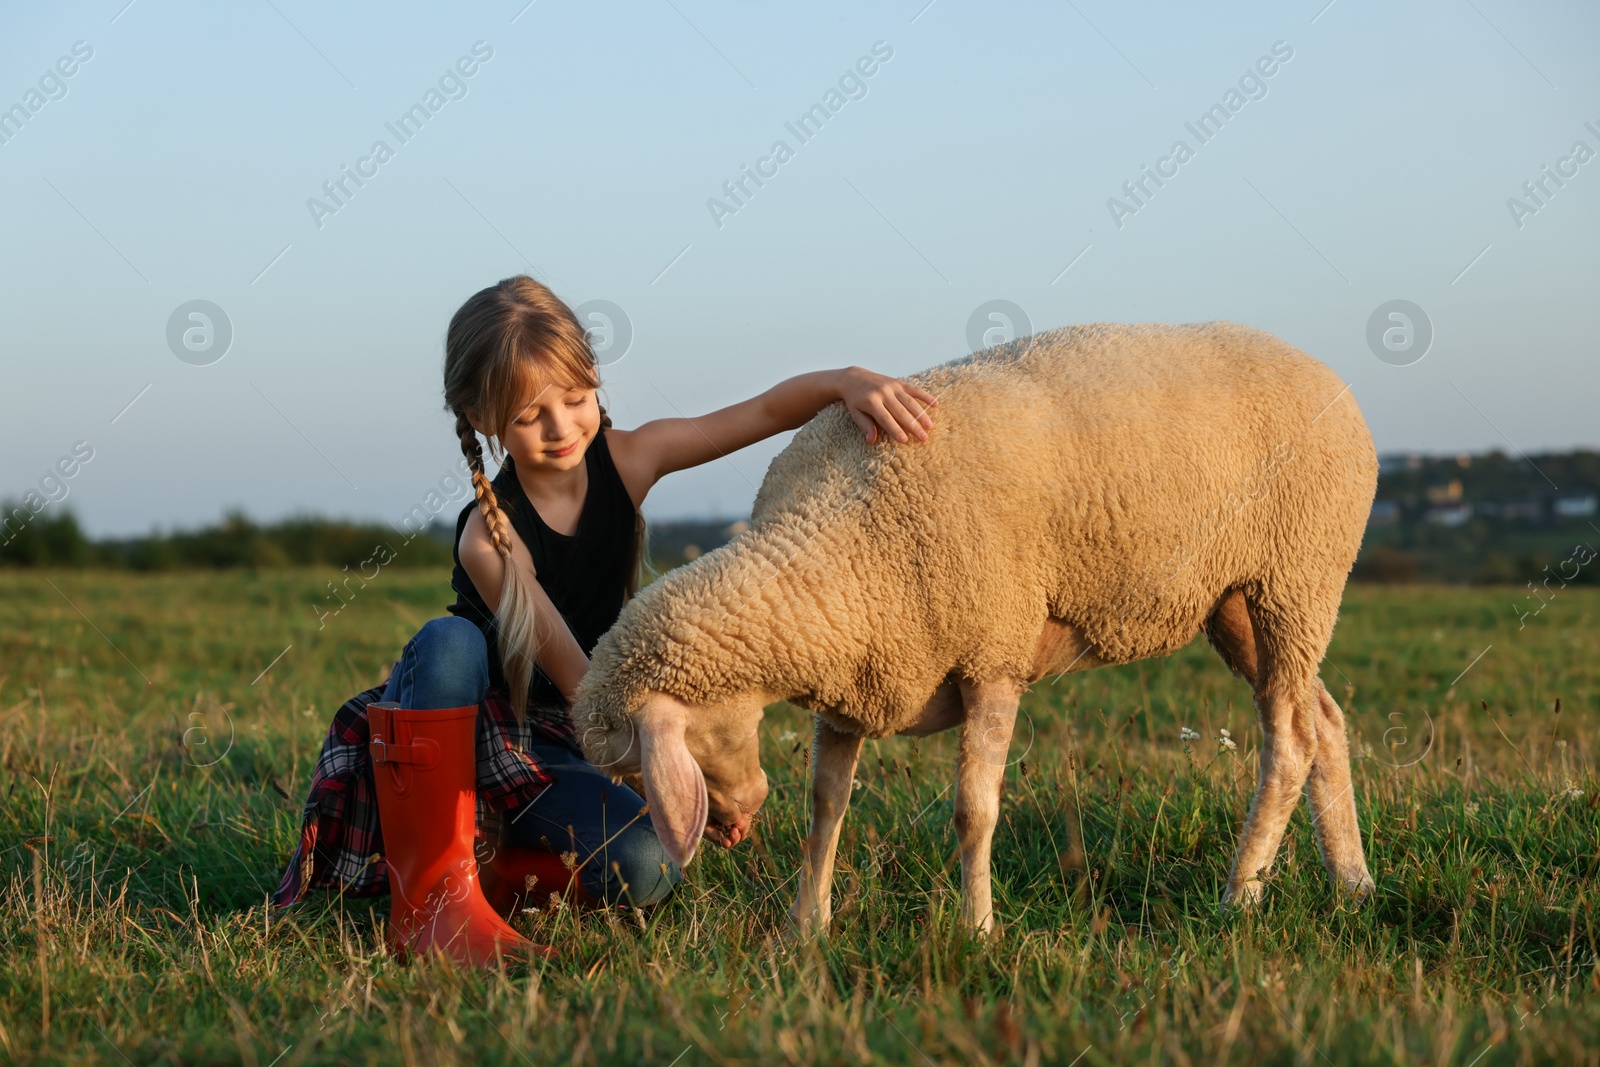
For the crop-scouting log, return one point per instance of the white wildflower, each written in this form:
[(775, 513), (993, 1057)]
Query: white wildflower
[(1470, 807), (1574, 793), (1226, 743), (788, 736), (855, 783), (1225, 732), (1187, 734)]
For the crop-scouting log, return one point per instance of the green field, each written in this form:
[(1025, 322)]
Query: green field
[(153, 777)]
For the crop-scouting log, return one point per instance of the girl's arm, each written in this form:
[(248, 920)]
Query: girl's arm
[(880, 405), (559, 655)]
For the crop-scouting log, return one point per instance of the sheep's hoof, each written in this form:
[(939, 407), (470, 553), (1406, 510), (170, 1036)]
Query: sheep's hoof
[(1357, 889), (1242, 896), (800, 932), (982, 928)]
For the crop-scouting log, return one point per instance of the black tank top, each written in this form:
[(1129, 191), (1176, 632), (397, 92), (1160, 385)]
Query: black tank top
[(585, 574)]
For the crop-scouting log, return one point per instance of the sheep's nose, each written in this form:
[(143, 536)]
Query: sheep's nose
[(740, 830)]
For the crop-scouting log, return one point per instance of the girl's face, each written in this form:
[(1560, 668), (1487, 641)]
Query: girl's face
[(554, 431)]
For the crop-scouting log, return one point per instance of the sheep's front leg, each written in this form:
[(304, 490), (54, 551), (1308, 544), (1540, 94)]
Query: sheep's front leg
[(991, 713), (833, 768)]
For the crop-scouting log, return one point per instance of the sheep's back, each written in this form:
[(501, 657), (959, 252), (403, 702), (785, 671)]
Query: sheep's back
[(1120, 477)]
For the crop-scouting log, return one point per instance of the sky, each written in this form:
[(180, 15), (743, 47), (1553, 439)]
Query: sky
[(983, 159)]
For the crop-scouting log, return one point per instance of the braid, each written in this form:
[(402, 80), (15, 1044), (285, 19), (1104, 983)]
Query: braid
[(488, 503), (516, 621)]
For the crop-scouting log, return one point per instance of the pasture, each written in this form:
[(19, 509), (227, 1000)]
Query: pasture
[(157, 734)]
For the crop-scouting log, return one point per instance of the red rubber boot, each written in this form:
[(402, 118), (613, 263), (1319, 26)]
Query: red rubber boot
[(424, 764)]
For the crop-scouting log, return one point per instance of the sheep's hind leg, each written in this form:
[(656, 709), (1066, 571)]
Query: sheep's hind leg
[(991, 715), (833, 768), (1290, 642), (1289, 744), (1331, 796), (1329, 792)]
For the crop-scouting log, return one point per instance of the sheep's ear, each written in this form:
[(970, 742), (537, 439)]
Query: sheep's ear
[(673, 784)]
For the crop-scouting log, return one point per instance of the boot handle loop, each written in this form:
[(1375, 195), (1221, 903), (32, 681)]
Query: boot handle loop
[(422, 753)]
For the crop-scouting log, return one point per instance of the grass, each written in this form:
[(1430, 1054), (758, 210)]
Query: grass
[(153, 771)]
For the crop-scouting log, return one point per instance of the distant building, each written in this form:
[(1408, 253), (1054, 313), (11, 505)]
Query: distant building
[(1449, 514), (1400, 461), (1448, 493), (1384, 513), (1574, 507)]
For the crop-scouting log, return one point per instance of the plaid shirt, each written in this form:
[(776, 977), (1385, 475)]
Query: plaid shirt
[(341, 843)]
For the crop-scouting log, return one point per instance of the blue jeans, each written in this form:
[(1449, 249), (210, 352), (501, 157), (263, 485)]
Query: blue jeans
[(446, 665)]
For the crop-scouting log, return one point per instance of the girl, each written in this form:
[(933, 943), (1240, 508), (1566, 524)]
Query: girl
[(545, 558)]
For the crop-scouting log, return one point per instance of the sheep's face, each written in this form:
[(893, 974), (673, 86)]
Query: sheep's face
[(700, 766)]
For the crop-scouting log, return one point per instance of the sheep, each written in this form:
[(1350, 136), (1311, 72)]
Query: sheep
[(1087, 496)]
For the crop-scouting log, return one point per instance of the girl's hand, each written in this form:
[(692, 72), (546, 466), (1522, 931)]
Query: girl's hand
[(877, 401)]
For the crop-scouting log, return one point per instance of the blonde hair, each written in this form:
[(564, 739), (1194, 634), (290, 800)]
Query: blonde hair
[(505, 345)]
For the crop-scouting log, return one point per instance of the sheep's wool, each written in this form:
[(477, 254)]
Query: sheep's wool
[(1119, 477)]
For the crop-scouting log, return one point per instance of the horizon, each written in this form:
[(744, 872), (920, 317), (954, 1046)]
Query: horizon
[(1397, 193), (439, 521)]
